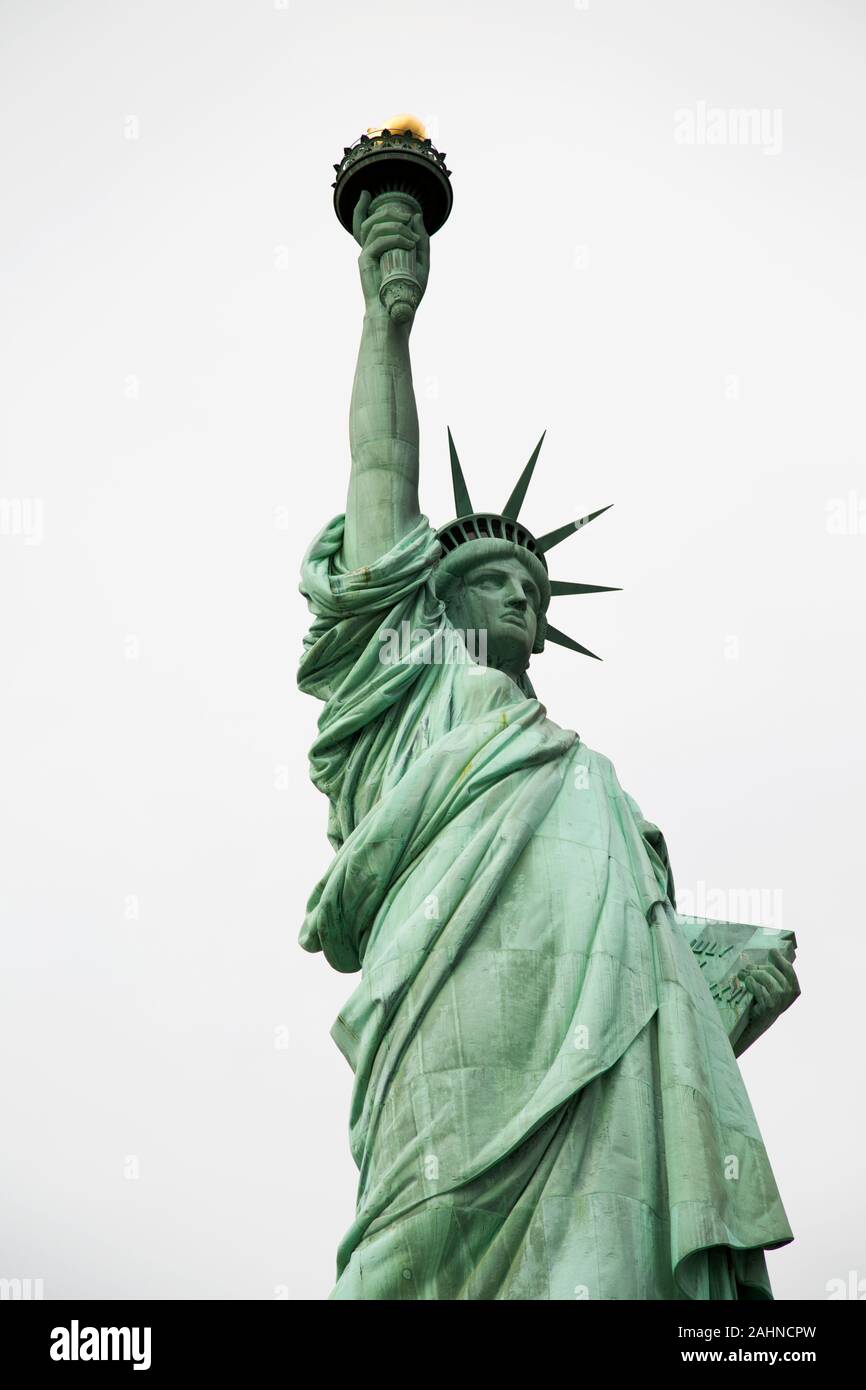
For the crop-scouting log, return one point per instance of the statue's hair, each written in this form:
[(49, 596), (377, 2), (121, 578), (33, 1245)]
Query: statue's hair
[(457, 564)]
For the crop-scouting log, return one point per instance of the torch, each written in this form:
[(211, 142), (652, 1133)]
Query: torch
[(396, 163)]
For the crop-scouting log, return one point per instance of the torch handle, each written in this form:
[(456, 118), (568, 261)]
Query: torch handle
[(400, 289)]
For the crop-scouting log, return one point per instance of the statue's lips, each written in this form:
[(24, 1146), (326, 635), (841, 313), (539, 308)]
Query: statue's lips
[(517, 618)]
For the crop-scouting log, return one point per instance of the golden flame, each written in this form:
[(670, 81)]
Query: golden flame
[(398, 124)]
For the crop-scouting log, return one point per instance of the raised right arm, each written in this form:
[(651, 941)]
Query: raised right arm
[(382, 503)]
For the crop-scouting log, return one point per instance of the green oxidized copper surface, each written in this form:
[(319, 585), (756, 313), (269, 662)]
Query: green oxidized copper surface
[(547, 1102)]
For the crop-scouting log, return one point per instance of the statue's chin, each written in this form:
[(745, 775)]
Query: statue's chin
[(508, 654)]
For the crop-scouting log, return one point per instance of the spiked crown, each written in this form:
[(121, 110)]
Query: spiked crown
[(475, 536)]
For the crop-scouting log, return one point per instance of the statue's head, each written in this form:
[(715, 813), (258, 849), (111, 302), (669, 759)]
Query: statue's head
[(493, 578), (499, 593)]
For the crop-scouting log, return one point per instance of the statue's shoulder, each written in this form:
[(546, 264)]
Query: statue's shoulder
[(606, 770), (479, 689), (601, 766)]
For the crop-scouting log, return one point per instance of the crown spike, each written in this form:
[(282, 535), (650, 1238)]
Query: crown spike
[(461, 493), (553, 538), (562, 586), (515, 501), (553, 634)]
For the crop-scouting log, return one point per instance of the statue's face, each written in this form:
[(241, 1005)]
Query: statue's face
[(499, 597)]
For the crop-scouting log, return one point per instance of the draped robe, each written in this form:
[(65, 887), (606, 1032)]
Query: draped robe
[(546, 1103)]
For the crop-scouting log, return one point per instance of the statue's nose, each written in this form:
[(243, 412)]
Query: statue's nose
[(516, 598)]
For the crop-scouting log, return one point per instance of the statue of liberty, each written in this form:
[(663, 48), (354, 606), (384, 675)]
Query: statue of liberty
[(547, 1102)]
